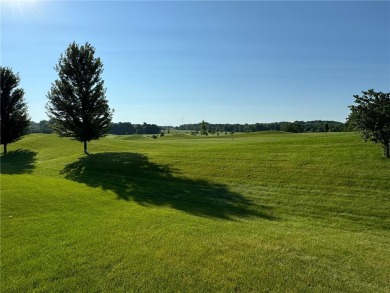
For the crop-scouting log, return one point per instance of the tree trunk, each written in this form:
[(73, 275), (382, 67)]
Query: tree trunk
[(85, 148), (386, 148), (5, 149)]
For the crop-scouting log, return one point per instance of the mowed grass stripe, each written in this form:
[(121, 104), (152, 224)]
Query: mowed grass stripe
[(253, 212)]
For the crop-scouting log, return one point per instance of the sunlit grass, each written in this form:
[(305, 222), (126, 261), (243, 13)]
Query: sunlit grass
[(256, 212)]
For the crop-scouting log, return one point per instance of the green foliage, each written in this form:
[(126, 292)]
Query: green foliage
[(371, 117), (122, 128), (298, 126), (77, 104), (147, 128), (326, 127), (14, 118), (203, 128), (292, 127), (42, 127)]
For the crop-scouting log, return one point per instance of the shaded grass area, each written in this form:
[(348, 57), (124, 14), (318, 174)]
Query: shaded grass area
[(262, 212), (20, 161), (133, 177)]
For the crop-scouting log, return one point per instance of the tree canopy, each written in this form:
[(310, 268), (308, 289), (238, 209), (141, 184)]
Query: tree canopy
[(371, 118), (14, 117), (297, 126), (128, 128), (203, 128), (77, 105)]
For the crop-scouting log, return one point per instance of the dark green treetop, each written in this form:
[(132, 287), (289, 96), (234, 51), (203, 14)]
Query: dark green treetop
[(326, 127), (77, 104), (203, 128), (14, 117), (371, 117)]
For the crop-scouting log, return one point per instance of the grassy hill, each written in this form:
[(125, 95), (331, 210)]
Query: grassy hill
[(249, 212)]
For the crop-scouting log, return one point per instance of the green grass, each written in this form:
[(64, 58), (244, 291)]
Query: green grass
[(253, 212)]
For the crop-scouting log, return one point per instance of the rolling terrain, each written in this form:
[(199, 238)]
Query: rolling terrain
[(265, 211)]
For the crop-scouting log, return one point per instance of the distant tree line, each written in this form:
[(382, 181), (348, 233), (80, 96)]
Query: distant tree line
[(120, 128), (123, 128), (297, 126), (42, 126)]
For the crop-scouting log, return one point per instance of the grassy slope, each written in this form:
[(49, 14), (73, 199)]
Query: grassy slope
[(268, 211)]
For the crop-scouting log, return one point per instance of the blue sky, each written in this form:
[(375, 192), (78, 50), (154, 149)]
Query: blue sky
[(223, 62)]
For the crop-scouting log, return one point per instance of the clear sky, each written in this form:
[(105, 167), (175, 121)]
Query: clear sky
[(223, 62)]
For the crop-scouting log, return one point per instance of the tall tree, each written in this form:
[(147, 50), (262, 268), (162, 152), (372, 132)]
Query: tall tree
[(77, 104), (203, 128), (371, 117), (326, 127), (14, 117)]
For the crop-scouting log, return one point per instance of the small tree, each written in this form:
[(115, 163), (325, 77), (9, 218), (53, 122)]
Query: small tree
[(77, 105), (14, 117), (326, 127), (371, 117), (203, 128)]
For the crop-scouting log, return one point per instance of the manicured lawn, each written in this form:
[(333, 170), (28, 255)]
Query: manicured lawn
[(253, 212)]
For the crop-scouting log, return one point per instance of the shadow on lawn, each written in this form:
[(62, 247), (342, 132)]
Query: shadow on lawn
[(133, 177), (18, 162)]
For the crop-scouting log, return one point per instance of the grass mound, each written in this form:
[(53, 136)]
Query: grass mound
[(243, 212)]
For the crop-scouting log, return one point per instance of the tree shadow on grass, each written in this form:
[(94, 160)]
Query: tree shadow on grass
[(18, 162), (133, 177)]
